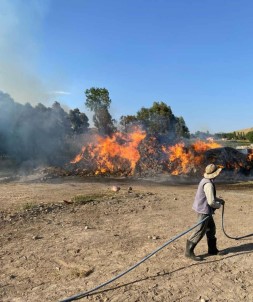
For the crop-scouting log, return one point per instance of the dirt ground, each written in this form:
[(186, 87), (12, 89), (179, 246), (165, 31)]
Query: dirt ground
[(54, 245)]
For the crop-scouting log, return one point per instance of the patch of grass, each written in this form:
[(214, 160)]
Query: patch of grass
[(28, 206)]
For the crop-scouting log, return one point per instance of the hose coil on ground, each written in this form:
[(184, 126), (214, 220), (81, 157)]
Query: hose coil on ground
[(223, 229)]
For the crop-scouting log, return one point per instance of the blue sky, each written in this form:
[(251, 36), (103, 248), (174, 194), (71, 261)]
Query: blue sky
[(194, 55)]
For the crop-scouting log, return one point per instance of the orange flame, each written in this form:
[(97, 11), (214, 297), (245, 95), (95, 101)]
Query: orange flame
[(200, 146), (183, 159), (119, 154), (110, 153)]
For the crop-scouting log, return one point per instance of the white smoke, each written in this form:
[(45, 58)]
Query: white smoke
[(20, 27)]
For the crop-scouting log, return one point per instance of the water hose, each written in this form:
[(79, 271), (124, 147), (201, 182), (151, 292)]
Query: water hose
[(223, 229), (85, 294)]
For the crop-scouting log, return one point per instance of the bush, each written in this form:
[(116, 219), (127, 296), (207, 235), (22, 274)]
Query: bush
[(249, 136)]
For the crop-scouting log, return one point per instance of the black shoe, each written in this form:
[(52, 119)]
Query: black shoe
[(212, 247), (189, 252)]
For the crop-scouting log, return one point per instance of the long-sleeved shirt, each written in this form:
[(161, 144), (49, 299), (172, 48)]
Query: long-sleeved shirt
[(205, 200), (212, 200)]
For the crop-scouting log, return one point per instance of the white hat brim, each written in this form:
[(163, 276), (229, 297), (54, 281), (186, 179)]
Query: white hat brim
[(214, 174)]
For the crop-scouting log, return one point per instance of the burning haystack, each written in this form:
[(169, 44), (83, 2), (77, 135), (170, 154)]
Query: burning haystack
[(230, 159), (140, 154)]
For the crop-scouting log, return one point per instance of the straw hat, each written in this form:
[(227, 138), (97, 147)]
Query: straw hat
[(212, 171)]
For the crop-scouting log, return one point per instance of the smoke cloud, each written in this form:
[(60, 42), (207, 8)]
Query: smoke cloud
[(20, 30), (34, 136)]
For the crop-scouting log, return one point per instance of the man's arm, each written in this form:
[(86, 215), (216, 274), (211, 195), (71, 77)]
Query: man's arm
[(212, 201)]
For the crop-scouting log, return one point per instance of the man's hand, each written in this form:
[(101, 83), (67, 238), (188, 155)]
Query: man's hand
[(221, 201)]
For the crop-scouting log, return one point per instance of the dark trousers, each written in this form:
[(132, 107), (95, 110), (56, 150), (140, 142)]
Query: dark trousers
[(207, 228)]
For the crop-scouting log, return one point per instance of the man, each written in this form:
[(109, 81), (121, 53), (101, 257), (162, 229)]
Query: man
[(205, 204)]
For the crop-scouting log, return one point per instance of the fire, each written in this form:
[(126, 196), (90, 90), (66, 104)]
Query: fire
[(250, 154), (113, 154), (183, 160), (200, 146), (180, 158), (122, 154)]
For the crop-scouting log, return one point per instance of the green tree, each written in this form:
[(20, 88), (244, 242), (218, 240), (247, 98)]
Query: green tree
[(157, 119), (79, 121), (97, 98), (249, 136), (231, 135), (98, 101), (181, 128), (160, 120), (104, 121), (127, 121)]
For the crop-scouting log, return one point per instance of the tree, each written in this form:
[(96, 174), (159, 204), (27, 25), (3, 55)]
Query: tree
[(103, 121), (181, 128), (97, 98), (42, 108), (201, 135), (249, 136), (127, 121), (79, 121), (60, 120), (98, 101), (160, 120), (34, 135)]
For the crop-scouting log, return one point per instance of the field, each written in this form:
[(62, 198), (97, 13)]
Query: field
[(64, 236)]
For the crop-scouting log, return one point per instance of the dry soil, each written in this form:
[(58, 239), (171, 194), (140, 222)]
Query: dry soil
[(55, 245)]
